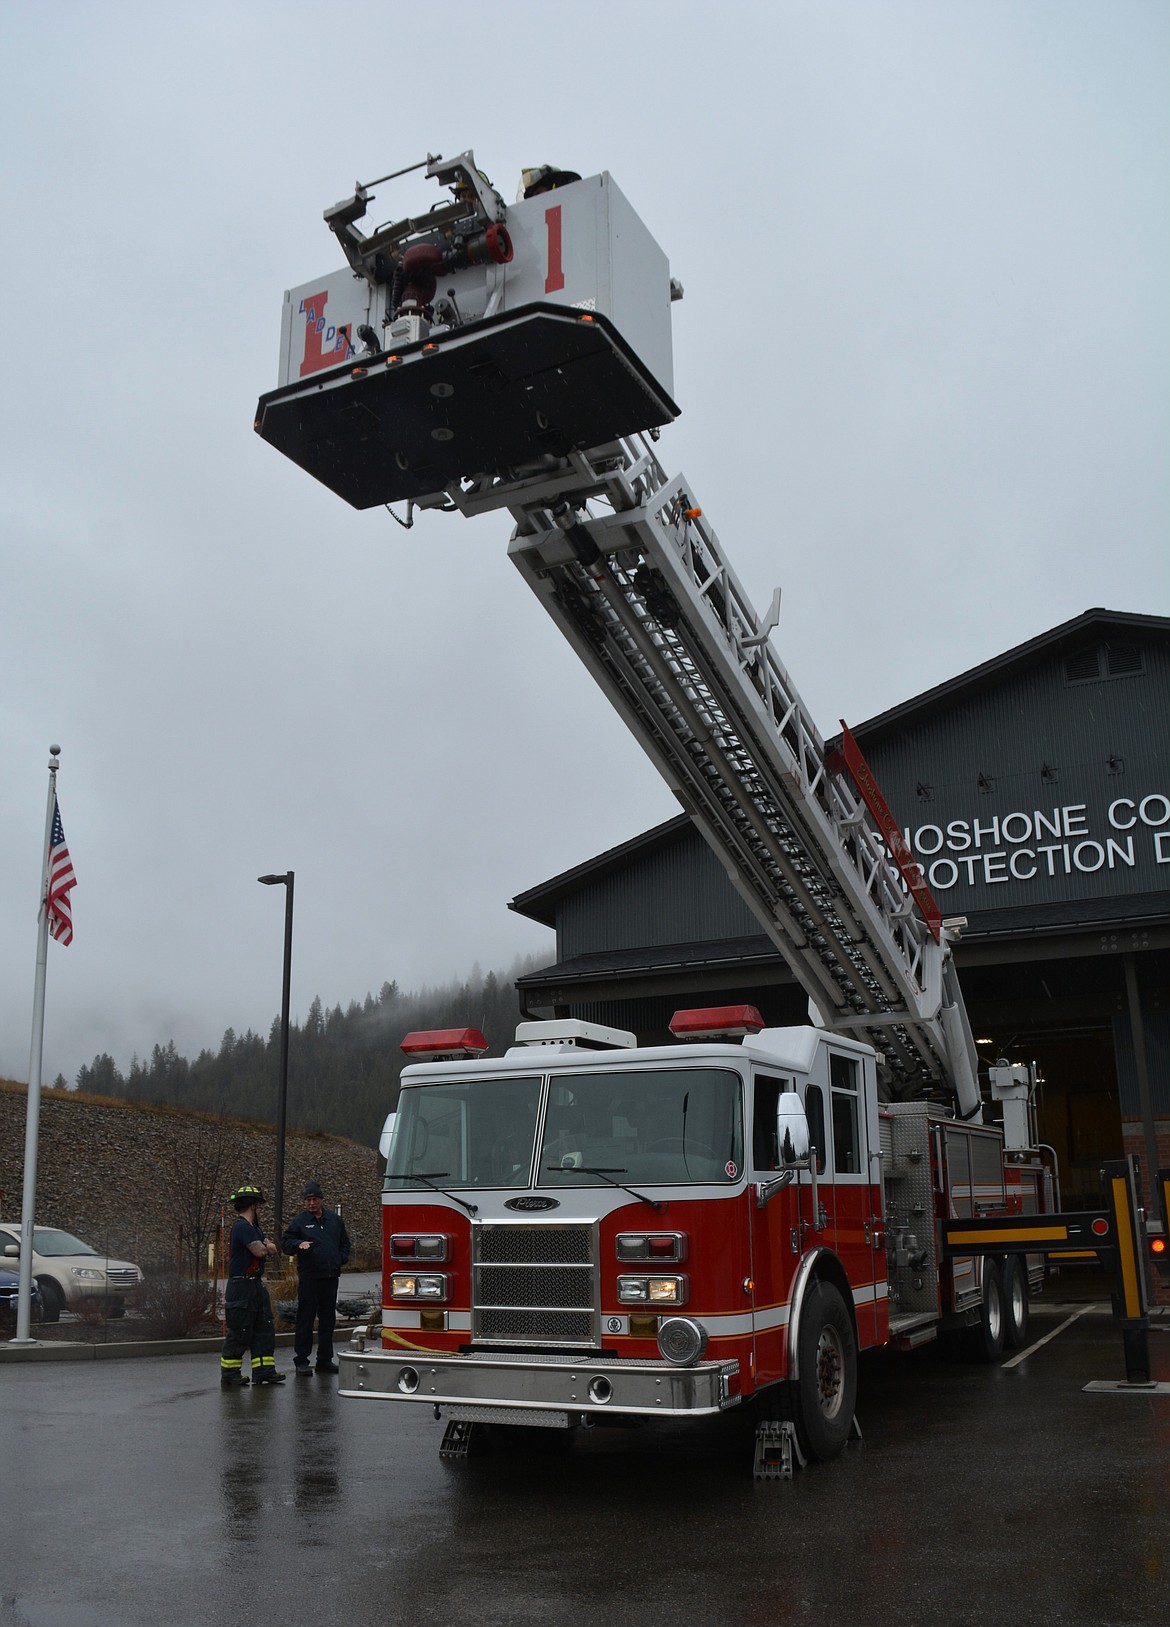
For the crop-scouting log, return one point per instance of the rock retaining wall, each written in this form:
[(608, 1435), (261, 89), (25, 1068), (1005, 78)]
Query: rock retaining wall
[(108, 1170)]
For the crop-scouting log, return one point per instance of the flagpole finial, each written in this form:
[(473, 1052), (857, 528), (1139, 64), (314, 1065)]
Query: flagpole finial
[(54, 751)]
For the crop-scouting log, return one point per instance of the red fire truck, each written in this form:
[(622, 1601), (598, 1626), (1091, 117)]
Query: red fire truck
[(589, 1229)]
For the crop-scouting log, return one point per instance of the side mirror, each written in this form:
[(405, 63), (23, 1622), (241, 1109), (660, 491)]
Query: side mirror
[(12, 1251), (387, 1133), (792, 1136), (795, 1144)]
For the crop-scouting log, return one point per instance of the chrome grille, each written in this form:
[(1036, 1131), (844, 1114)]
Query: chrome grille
[(537, 1327), (123, 1279), (570, 1286), (534, 1284)]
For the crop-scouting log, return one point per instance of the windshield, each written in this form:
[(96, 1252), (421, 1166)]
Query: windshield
[(646, 1126), (48, 1241), (464, 1134)]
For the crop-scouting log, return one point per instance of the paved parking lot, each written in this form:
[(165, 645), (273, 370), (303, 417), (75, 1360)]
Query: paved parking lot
[(138, 1491)]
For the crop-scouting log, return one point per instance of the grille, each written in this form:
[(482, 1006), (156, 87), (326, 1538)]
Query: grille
[(534, 1245), (122, 1279), (570, 1286), (537, 1327), (534, 1284)]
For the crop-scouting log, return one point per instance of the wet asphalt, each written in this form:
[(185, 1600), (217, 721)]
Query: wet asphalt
[(139, 1492)]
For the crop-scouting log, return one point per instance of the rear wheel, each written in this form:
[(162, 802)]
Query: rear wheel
[(52, 1299), (1015, 1302), (824, 1392), (987, 1334)]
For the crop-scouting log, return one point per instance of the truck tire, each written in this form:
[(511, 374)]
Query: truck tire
[(824, 1392), (986, 1341), (1015, 1302)]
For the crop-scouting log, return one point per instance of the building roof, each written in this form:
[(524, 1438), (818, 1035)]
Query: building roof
[(539, 903), (1068, 635)]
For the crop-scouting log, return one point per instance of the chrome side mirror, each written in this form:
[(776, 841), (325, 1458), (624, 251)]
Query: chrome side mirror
[(792, 1136), (795, 1144)]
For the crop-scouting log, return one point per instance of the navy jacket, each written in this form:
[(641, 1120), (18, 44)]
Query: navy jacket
[(328, 1236)]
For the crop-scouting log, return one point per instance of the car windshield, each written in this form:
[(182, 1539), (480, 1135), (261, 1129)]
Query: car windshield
[(464, 1134), (644, 1127), (47, 1240)]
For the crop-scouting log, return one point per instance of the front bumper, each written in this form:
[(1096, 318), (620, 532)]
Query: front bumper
[(569, 1385)]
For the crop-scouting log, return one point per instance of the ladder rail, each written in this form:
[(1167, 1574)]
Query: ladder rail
[(646, 595), (769, 863)]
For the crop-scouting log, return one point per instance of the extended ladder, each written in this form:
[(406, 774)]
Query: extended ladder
[(644, 593)]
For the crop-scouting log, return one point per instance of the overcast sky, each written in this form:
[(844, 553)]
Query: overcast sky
[(922, 364)]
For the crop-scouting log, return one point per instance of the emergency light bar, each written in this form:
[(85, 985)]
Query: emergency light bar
[(444, 1044), (716, 1022)]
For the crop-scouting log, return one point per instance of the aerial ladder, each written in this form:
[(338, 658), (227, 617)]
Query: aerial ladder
[(483, 356)]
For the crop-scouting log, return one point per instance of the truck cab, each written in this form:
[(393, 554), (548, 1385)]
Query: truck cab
[(586, 1228)]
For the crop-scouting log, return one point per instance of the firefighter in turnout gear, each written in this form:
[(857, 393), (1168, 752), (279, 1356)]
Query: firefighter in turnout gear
[(247, 1308)]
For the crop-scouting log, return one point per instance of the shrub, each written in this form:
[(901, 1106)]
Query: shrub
[(173, 1307)]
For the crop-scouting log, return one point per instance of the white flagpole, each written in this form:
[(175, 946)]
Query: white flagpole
[(33, 1109)]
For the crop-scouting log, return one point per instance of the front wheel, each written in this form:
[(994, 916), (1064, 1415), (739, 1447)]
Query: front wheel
[(824, 1392)]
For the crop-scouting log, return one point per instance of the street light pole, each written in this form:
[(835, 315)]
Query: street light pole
[(285, 881)]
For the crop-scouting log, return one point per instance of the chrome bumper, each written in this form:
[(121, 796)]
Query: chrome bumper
[(562, 1384)]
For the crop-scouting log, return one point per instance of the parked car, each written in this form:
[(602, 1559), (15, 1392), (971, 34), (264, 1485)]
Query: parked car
[(9, 1287), (70, 1274)]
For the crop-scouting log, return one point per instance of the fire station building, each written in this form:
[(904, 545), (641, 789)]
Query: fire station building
[(1035, 792)]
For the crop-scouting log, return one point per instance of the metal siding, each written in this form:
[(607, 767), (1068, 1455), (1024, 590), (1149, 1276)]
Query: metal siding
[(1007, 734), (679, 894)]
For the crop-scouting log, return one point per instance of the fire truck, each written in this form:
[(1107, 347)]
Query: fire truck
[(588, 1230)]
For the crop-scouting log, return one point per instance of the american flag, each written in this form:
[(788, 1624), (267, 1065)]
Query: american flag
[(61, 882)]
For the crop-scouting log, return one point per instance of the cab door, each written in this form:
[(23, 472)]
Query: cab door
[(852, 1187), (774, 1230)]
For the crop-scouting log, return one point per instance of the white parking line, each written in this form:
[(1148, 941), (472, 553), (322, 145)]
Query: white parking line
[(1068, 1321)]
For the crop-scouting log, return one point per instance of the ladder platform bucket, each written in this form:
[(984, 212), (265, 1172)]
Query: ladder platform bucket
[(474, 400)]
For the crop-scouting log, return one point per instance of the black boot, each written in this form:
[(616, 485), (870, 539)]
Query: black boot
[(270, 1377), (233, 1381)]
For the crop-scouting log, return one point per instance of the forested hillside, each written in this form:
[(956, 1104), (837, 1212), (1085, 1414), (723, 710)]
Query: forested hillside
[(343, 1066)]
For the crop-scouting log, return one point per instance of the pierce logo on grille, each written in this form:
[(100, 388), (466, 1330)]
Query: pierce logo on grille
[(532, 1203)]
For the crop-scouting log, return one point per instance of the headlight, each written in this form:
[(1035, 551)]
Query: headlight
[(652, 1290), (84, 1271), (418, 1285)]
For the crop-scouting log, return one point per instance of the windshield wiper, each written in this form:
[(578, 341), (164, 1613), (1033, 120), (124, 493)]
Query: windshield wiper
[(607, 1175), (440, 1174)]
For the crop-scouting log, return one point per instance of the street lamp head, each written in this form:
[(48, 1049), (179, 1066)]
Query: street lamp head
[(274, 881)]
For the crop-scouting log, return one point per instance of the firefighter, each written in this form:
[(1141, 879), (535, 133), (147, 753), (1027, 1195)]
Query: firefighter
[(543, 178), (247, 1308)]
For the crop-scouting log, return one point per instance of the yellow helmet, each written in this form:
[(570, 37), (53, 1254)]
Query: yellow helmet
[(543, 178)]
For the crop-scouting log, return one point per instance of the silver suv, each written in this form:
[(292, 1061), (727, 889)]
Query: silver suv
[(70, 1274)]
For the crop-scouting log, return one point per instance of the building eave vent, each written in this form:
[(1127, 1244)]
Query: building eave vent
[(1103, 661)]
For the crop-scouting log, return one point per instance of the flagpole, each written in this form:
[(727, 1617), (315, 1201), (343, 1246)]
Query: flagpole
[(33, 1109)]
